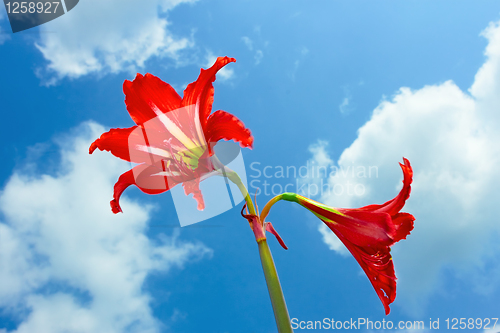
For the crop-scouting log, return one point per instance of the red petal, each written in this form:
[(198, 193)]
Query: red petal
[(270, 228), (202, 89), (366, 228), (362, 228), (149, 143), (125, 143), (146, 178), (403, 222), (223, 125), (116, 141), (193, 187), (145, 94), (377, 265), (393, 206)]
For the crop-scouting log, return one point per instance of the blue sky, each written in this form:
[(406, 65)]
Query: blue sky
[(339, 84)]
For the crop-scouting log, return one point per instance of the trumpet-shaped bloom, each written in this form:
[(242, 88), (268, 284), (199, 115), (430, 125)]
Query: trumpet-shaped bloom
[(173, 138), (368, 233)]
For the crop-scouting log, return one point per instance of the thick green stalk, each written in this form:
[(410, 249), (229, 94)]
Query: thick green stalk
[(273, 283), (273, 286)]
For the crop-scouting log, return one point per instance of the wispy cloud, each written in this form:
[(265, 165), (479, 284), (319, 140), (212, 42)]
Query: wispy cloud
[(303, 52), (259, 54), (108, 37), (68, 263), (248, 42), (344, 106), (451, 138)]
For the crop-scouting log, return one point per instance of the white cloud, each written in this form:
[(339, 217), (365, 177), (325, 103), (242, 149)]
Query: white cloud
[(451, 137), (258, 56), (317, 170), (68, 263), (248, 42), (321, 157), (344, 106), (302, 54), (316, 167), (108, 37), (224, 74)]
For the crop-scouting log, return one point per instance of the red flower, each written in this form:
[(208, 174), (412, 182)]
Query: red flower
[(368, 232), (173, 139)]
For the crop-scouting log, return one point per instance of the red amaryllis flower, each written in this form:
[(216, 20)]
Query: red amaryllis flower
[(173, 139), (368, 232)]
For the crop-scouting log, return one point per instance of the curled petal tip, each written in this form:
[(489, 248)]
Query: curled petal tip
[(93, 147), (407, 169), (224, 60), (221, 62), (115, 207)]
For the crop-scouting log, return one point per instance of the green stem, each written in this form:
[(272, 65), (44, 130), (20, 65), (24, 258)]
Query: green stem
[(267, 207), (273, 283), (274, 287), (235, 178)]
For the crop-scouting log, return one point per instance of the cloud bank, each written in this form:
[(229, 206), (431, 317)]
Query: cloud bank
[(451, 137), (68, 263), (108, 37)]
